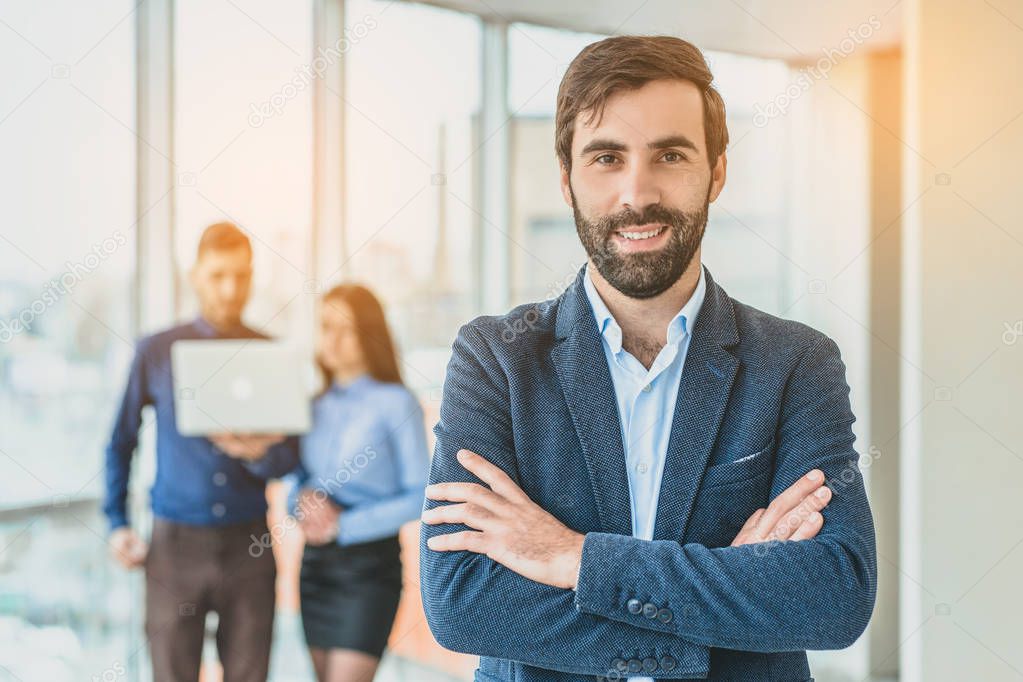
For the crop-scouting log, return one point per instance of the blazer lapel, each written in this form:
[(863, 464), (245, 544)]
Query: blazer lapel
[(707, 377), (579, 360)]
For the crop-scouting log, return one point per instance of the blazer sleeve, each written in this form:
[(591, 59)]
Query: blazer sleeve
[(765, 597), (477, 606), (124, 438)]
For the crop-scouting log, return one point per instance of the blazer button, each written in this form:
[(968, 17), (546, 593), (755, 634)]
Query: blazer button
[(650, 664), (634, 606), (668, 663), (635, 665), (664, 615), (649, 610), (620, 664)]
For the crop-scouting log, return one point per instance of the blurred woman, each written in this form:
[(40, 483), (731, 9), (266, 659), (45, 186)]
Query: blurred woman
[(363, 474)]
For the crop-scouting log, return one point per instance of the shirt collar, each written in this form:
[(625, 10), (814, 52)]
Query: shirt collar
[(679, 326), (357, 383), (204, 328), (208, 331)]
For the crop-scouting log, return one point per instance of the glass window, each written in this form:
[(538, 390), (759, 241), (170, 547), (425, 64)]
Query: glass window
[(412, 102), (747, 229), (243, 146), (67, 187)]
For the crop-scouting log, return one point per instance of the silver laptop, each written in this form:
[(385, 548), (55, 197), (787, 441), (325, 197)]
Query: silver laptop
[(240, 386)]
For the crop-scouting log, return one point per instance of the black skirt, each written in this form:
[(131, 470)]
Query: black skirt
[(349, 594)]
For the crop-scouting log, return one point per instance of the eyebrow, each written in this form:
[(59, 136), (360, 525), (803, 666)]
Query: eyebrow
[(608, 145)]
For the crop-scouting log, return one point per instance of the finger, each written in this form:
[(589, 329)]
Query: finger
[(748, 532), (813, 502), (790, 497), (470, 514), (455, 491), (753, 520), (809, 528), (491, 474), (470, 540)]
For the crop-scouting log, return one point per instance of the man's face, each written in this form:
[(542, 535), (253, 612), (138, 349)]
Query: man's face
[(640, 185), (222, 280)]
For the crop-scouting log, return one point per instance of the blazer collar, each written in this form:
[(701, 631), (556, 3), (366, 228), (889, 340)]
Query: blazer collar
[(707, 377), (574, 309)]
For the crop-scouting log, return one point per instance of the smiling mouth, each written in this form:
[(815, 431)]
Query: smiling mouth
[(634, 235)]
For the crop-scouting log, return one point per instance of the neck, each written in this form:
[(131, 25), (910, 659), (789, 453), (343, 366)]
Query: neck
[(349, 374), (644, 321), (222, 326)]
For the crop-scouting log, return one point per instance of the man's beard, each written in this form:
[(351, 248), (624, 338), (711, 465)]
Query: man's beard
[(644, 274)]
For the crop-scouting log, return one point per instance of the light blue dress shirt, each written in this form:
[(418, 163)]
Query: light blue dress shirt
[(646, 401), (367, 450)]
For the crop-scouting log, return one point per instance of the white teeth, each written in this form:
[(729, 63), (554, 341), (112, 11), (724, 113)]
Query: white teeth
[(640, 235)]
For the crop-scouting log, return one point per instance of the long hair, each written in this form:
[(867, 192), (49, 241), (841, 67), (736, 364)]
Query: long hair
[(371, 330)]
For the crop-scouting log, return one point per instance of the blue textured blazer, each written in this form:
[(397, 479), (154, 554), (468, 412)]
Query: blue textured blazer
[(762, 401)]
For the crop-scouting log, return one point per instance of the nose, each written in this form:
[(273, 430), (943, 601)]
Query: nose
[(229, 289), (638, 189)]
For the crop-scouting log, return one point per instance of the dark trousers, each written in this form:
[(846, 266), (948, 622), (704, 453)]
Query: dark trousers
[(192, 570)]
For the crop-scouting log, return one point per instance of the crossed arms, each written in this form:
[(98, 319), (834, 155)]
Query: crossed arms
[(789, 581)]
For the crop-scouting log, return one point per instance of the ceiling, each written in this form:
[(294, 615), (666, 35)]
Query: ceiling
[(798, 32)]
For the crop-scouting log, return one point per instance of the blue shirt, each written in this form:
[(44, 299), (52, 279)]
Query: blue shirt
[(195, 482), (367, 451), (646, 399)]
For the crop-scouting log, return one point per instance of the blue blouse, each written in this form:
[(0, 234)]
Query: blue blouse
[(366, 450)]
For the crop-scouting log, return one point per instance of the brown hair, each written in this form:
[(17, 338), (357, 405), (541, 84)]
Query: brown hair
[(371, 329), (222, 237), (621, 63)]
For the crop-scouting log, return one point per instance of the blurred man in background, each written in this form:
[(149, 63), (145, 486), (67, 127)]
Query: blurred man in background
[(209, 497)]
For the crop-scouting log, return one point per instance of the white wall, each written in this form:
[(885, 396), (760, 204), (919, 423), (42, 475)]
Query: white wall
[(963, 248)]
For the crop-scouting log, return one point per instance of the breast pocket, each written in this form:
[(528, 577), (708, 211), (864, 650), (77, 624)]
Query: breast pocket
[(729, 493), (741, 469)]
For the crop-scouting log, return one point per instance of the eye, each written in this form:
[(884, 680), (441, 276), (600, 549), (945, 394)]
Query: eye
[(606, 159), (673, 157)]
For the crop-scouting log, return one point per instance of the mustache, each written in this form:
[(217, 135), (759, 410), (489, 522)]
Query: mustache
[(654, 213)]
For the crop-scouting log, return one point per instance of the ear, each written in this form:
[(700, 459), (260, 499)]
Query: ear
[(717, 177), (566, 190)]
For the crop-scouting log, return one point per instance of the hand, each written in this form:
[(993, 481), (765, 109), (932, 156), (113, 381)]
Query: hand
[(793, 515), (319, 517), (511, 529), (249, 447), (127, 547)]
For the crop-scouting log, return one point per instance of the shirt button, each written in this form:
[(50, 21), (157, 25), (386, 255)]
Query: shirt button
[(218, 509), (641, 467), (219, 478), (646, 389)]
